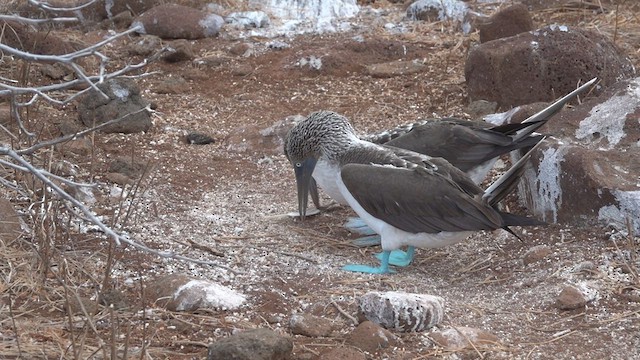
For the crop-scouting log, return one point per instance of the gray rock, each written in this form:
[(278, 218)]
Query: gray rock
[(541, 65), (182, 293), (589, 172), (510, 21), (257, 344), (401, 311), (371, 337), (123, 101), (172, 21)]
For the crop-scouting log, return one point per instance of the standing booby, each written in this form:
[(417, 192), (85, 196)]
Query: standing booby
[(471, 146), (410, 199)]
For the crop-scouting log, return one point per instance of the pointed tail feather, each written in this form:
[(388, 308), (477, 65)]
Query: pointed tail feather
[(517, 220), (503, 186), (542, 116)]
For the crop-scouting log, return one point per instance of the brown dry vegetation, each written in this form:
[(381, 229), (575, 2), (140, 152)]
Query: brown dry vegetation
[(67, 292)]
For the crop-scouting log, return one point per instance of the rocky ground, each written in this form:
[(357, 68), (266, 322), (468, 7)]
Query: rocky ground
[(565, 291)]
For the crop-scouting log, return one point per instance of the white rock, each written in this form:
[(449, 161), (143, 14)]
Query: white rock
[(402, 311), (205, 294)]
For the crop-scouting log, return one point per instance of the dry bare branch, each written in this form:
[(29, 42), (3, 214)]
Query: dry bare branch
[(30, 21), (45, 6)]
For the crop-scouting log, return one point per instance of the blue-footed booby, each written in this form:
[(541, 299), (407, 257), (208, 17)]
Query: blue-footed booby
[(409, 199), (471, 146)]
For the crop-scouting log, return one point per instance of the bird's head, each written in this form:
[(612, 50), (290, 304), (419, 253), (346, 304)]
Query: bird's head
[(319, 135)]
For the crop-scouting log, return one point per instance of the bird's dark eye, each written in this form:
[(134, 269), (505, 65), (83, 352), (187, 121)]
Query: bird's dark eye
[(298, 164)]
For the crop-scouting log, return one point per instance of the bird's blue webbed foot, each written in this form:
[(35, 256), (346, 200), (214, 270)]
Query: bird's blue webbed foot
[(366, 241), (356, 225), (399, 257), (382, 269)]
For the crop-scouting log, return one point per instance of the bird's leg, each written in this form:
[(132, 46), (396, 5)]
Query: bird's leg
[(382, 269), (356, 225), (399, 257)]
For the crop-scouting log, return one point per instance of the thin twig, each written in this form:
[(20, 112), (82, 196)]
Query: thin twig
[(117, 238), (344, 313)]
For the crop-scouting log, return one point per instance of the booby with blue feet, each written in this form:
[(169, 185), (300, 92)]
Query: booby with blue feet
[(471, 146), (409, 199)]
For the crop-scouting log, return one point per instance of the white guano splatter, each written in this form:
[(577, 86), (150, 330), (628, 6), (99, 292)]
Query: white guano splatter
[(608, 118)]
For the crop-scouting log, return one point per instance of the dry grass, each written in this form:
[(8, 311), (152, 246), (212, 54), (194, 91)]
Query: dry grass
[(53, 280)]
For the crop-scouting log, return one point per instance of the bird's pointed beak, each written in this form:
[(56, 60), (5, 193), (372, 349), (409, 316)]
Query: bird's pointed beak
[(303, 180)]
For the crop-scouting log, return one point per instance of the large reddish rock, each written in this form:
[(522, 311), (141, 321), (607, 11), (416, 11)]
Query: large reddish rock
[(590, 169), (510, 21), (541, 65), (178, 22)]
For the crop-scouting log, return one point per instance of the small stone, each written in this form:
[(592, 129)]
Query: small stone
[(54, 71), (401, 311), (127, 167), (239, 49), (172, 85), (179, 50), (147, 45), (342, 353), (512, 20), (242, 70), (395, 68), (371, 337), (571, 298), (5, 115), (118, 178), (78, 303), (182, 293), (81, 147), (480, 108), (122, 20), (256, 344), (535, 254), (434, 10), (114, 298), (310, 325), (212, 60), (199, 139), (463, 337), (10, 228)]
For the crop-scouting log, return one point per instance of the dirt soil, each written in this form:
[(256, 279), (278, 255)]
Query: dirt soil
[(233, 198)]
